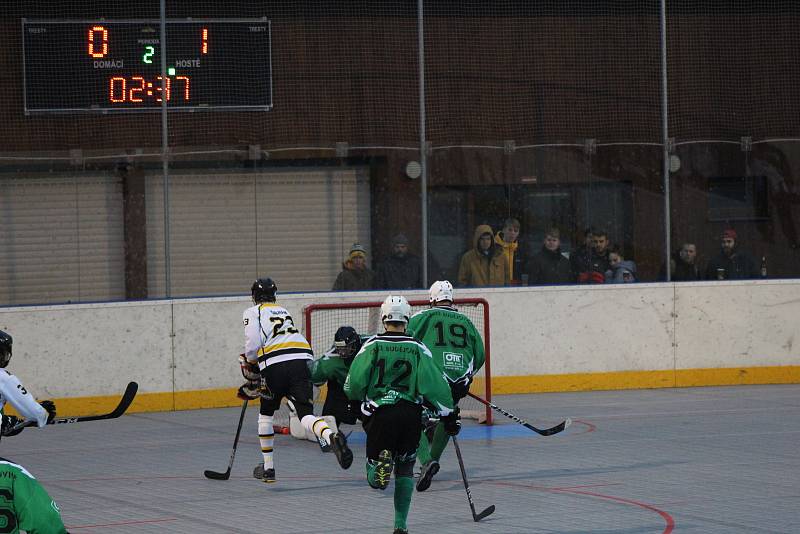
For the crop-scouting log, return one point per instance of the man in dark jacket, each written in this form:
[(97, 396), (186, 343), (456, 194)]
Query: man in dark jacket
[(593, 272), (683, 265), (731, 263), (401, 270), (549, 266), (355, 275)]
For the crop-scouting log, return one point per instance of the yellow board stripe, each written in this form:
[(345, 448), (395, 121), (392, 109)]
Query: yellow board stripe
[(266, 449), (226, 397)]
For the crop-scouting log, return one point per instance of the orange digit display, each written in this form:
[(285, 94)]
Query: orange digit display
[(140, 89), (185, 80), (103, 41), (147, 65), (166, 89), (114, 95)]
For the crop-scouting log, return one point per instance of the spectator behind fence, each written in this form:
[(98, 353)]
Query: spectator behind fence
[(401, 270), (580, 257), (731, 263), (355, 276), (549, 266), (508, 240), (593, 272), (485, 264), (621, 271), (683, 265)]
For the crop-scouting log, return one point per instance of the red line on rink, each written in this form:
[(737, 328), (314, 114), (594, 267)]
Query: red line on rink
[(163, 520), (664, 515), (667, 518), (589, 426)]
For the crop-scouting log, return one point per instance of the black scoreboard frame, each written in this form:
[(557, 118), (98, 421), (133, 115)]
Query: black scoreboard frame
[(83, 73)]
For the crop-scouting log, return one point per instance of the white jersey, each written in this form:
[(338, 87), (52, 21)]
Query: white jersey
[(11, 390), (271, 336)]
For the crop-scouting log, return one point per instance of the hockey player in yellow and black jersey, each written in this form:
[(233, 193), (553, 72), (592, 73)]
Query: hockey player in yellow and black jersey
[(275, 363)]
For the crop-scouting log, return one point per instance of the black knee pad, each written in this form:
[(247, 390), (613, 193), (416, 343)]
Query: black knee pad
[(404, 466), (303, 407)]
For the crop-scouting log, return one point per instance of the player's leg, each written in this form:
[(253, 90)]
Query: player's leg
[(408, 420), (275, 382), (266, 437), (301, 391), (380, 429)]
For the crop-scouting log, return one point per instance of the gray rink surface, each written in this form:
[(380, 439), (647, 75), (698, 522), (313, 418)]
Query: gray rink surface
[(695, 460)]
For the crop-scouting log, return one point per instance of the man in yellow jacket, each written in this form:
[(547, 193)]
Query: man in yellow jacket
[(508, 240), (485, 264)]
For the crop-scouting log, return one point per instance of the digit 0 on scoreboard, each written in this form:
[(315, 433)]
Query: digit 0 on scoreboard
[(115, 66)]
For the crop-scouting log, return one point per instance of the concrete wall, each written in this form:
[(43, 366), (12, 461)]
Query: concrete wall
[(183, 352)]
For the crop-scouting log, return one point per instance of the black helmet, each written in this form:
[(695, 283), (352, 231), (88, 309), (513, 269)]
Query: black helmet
[(347, 342), (5, 348), (263, 290)]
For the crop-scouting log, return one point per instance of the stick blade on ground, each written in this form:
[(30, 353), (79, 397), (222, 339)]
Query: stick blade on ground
[(489, 511), (215, 475)]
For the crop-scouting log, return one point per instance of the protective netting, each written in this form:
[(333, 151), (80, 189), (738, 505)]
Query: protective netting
[(547, 111), (288, 76), (733, 70), (322, 321)]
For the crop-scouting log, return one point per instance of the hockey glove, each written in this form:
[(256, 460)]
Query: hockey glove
[(9, 422), (249, 370), (50, 407), (368, 408), (460, 388), (249, 390), (452, 423)]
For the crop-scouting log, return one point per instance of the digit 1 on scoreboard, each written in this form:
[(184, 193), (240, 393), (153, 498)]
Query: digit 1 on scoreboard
[(204, 48)]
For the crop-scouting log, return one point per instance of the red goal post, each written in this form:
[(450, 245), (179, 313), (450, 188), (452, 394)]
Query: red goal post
[(322, 321)]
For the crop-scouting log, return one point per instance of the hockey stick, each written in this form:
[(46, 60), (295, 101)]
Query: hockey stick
[(124, 403), (215, 475), (544, 432), (489, 510)]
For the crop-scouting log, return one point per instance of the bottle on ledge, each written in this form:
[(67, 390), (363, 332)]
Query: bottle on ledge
[(763, 266)]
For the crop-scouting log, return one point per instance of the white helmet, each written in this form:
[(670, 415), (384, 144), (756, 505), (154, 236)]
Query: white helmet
[(441, 290), (395, 309)]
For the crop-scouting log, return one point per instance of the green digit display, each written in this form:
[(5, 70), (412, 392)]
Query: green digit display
[(148, 55)]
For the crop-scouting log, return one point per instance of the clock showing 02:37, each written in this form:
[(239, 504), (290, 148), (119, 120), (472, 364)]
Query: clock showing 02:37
[(120, 66)]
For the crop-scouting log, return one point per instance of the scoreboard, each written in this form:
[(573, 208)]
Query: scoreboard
[(108, 66)]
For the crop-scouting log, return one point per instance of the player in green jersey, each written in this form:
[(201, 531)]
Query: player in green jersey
[(332, 369), (392, 374), (457, 349), (24, 503)]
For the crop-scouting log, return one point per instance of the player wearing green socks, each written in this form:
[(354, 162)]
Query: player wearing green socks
[(391, 375), (457, 350)]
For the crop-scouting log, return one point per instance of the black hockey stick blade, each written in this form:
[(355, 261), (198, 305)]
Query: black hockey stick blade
[(542, 432), (124, 402), (489, 511), (552, 430), (216, 475)]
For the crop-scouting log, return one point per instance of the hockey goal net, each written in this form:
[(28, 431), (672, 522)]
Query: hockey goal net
[(322, 321)]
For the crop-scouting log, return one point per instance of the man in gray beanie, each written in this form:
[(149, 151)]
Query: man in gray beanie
[(401, 270)]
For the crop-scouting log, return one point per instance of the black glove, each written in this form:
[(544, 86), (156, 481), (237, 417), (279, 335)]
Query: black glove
[(9, 422), (452, 423), (460, 388), (50, 407), (249, 390), (249, 370)]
